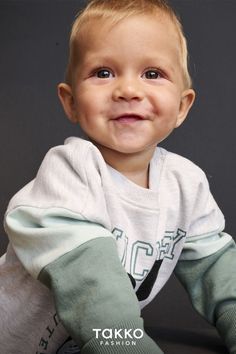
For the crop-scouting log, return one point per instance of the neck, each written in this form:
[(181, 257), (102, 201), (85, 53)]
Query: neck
[(134, 166)]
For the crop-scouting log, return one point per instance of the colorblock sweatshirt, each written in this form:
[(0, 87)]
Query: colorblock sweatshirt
[(105, 247)]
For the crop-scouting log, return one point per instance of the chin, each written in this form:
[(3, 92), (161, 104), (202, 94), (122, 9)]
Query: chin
[(125, 148), (130, 149)]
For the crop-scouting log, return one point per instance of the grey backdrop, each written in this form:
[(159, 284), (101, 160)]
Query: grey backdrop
[(33, 40)]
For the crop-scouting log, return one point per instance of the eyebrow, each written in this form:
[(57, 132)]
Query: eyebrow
[(108, 58)]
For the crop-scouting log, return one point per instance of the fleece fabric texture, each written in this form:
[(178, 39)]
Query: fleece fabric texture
[(95, 239)]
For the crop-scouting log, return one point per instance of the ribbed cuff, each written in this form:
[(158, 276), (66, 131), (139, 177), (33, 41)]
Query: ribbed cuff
[(128, 338), (226, 325)]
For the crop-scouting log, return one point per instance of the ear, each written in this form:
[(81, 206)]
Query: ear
[(187, 99), (66, 97)]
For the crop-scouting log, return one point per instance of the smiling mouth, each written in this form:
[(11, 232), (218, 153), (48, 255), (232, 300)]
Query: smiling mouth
[(129, 118)]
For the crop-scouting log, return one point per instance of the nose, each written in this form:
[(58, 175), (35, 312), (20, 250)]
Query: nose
[(127, 90)]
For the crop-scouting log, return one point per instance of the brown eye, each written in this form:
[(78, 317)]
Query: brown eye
[(152, 74), (104, 74)]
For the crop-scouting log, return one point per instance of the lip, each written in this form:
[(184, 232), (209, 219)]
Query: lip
[(129, 118)]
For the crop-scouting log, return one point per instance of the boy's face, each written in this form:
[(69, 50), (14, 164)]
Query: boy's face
[(128, 92)]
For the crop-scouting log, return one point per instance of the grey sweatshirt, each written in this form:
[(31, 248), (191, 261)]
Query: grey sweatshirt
[(105, 247)]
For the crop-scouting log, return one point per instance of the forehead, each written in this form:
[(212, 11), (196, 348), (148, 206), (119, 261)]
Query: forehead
[(160, 25), (153, 33)]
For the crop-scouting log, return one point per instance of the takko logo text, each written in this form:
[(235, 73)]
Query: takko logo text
[(110, 333), (120, 337)]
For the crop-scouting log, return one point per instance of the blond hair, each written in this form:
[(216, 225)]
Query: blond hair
[(117, 10)]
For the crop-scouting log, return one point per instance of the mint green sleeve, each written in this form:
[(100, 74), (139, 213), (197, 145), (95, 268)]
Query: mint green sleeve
[(79, 262), (92, 291), (211, 284)]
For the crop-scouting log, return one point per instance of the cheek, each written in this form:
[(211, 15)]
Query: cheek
[(89, 103), (166, 105), (88, 113), (83, 107)]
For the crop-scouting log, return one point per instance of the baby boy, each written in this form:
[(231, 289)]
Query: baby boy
[(106, 221)]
